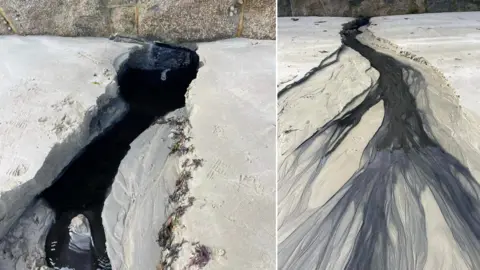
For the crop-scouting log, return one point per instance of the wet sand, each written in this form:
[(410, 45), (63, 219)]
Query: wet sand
[(407, 185)]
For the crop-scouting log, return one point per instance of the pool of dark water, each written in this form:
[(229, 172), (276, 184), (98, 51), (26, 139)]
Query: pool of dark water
[(153, 81)]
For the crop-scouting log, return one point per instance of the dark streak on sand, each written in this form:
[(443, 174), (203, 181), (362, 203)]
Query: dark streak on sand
[(403, 154), (326, 62), (82, 187)]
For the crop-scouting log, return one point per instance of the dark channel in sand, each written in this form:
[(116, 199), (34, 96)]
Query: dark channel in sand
[(388, 232), (153, 81)]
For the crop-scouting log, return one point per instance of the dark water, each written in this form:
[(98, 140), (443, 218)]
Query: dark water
[(153, 81), (388, 232)]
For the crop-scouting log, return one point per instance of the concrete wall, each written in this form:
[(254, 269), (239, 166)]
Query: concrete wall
[(169, 20)]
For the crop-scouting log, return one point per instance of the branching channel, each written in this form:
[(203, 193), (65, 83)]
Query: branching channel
[(376, 220)]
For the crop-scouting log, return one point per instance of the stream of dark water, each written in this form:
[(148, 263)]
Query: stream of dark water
[(153, 81), (381, 229)]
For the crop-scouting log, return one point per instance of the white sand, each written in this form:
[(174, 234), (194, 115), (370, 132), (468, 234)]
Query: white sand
[(456, 127), (317, 100), (48, 95), (232, 112), (448, 41), (303, 44), (136, 207)]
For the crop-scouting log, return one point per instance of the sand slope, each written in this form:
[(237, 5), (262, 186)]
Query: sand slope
[(450, 42), (53, 93), (303, 43), (231, 107)]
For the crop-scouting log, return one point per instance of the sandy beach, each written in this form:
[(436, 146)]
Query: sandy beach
[(354, 188)]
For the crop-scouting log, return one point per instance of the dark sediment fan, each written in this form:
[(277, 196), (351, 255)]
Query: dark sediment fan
[(153, 81), (377, 216)]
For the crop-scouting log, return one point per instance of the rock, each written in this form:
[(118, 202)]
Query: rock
[(187, 20), (50, 108), (45, 17), (170, 20), (23, 247), (370, 7), (259, 19), (451, 5), (124, 20), (284, 8)]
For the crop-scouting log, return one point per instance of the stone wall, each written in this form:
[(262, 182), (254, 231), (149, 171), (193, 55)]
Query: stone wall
[(371, 7), (168, 20)]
